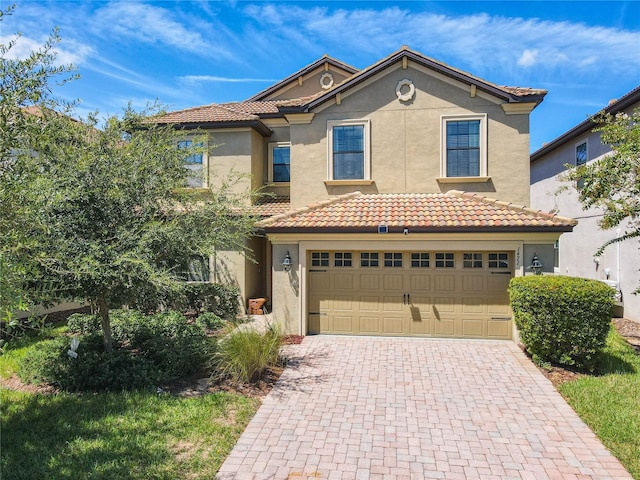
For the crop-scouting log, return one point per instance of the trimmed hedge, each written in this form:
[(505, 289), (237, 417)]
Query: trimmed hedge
[(562, 319)]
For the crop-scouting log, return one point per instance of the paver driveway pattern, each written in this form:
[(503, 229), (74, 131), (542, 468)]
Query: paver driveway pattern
[(407, 408)]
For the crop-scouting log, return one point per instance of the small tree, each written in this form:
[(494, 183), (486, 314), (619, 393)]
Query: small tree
[(25, 97), (119, 221), (613, 182)]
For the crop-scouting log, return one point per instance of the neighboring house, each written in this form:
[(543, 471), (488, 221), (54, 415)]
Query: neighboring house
[(620, 262), (370, 231)]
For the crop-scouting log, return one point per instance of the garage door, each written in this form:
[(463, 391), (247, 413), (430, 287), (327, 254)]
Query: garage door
[(419, 293)]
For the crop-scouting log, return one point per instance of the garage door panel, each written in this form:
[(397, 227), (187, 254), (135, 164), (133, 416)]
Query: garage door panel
[(444, 304), (473, 327), (343, 281), (369, 281), (499, 329), (497, 282), (392, 325), (420, 282), (498, 306), (473, 283), (343, 324), (444, 327), (444, 283), (319, 281), (392, 303), (473, 305), (369, 325), (370, 303), (393, 281)]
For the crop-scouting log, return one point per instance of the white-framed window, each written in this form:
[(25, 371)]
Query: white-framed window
[(279, 162), (472, 260), (464, 146), (349, 149), (342, 259), (420, 260), (393, 259), (319, 259), (369, 259), (498, 260), (445, 260), (195, 163)]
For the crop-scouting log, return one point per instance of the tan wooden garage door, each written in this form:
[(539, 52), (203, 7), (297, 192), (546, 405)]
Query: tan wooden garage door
[(420, 293)]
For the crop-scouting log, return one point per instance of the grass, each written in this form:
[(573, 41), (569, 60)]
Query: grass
[(118, 435), (610, 401)]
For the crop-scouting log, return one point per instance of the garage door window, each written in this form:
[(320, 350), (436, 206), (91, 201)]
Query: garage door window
[(369, 259), (393, 259), (498, 260), (320, 259), (444, 260), (342, 259), (472, 260), (420, 260)]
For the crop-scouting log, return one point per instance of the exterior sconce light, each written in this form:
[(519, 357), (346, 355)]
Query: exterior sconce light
[(286, 263), (536, 265)]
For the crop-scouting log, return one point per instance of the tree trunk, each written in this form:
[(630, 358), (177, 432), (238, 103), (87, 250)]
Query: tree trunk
[(103, 311)]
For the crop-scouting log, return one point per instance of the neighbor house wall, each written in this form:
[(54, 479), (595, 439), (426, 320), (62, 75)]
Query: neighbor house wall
[(619, 262)]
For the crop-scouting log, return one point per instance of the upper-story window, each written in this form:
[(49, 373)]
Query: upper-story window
[(348, 142), (581, 154), (464, 146), (195, 163), (280, 162)]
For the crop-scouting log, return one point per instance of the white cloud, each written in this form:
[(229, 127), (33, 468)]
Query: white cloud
[(154, 25), (528, 58), (200, 79), (73, 52)]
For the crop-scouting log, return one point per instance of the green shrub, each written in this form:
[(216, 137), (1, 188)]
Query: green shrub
[(148, 349), (83, 323), (562, 319), (244, 354), (210, 321)]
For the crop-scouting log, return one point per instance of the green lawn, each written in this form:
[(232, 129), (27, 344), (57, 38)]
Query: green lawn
[(118, 435), (610, 402)]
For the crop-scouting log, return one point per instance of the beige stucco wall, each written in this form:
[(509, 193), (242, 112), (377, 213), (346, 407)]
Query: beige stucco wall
[(406, 140), (286, 290), (235, 150), (310, 84)]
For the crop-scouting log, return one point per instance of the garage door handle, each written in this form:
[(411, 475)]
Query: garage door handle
[(408, 298), (500, 273), (317, 270), (318, 313), (404, 298), (500, 318)]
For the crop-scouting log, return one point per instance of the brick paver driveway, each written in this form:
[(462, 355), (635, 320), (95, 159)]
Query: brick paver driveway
[(392, 408)]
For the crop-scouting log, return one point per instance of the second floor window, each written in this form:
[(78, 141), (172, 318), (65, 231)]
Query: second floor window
[(464, 146), (348, 149), (279, 162)]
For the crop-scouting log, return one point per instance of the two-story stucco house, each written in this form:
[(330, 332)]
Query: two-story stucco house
[(400, 193), (619, 265)]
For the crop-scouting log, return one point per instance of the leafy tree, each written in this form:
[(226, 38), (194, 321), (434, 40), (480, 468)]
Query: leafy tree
[(26, 101), (119, 221), (613, 182)]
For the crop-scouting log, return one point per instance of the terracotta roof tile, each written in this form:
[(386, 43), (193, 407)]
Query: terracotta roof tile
[(419, 211), (270, 206)]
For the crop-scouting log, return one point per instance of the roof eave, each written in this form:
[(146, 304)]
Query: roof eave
[(586, 125), (415, 230), (257, 125)]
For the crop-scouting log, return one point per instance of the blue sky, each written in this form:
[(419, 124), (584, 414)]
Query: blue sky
[(186, 54)]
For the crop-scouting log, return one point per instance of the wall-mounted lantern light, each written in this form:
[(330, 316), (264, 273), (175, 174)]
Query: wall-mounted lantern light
[(286, 263), (536, 265)]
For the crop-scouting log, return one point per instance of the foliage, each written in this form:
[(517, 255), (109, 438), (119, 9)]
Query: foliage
[(613, 182), (245, 353), (26, 105), (148, 350), (210, 321), (562, 319), (191, 297), (134, 435), (609, 402)]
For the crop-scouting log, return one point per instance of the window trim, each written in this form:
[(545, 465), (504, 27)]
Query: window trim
[(444, 119), (272, 146), (586, 152), (366, 123), (204, 165)]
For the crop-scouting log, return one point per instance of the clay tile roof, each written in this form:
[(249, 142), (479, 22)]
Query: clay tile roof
[(230, 112), (420, 212), (269, 206)]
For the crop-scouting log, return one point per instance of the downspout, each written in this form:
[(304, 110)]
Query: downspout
[(618, 259)]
